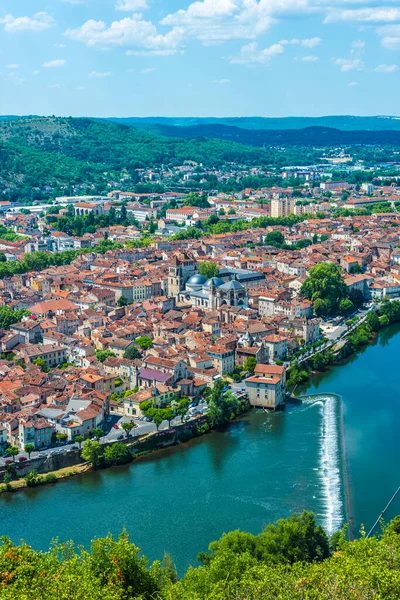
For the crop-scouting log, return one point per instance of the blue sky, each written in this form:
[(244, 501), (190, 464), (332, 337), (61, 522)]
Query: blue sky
[(201, 58)]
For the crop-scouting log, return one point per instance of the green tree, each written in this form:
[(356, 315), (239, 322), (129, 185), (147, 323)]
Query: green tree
[(157, 417), (223, 406), (274, 238), (208, 269), (29, 448), (127, 427), (346, 307), (117, 454), (92, 452), (102, 355), (97, 432), (325, 285), (250, 364), (131, 353), (62, 437), (39, 362), (122, 301), (13, 451), (144, 342), (373, 321), (79, 439)]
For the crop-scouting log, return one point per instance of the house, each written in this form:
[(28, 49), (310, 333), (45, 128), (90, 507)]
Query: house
[(30, 331), (36, 431), (267, 387), (51, 355)]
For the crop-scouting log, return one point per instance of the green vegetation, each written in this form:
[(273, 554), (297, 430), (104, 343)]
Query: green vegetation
[(132, 353), (102, 355), (291, 560), (327, 290), (208, 269), (9, 316), (223, 406), (250, 364), (144, 342)]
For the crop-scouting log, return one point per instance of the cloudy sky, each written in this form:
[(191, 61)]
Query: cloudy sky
[(202, 58)]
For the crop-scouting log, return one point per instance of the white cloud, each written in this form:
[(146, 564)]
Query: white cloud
[(309, 58), (390, 35), (349, 64), (307, 43), (386, 68), (353, 83), (131, 5), (311, 43), (130, 31), (251, 54), (13, 66), (39, 22), (365, 15), (358, 44), (212, 21), (54, 86), (222, 81), (54, 64), (148, 70), (35, 72), (59, 45), (98, 74)]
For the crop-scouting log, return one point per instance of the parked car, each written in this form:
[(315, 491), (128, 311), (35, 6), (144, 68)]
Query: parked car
[(74, 448), (22, 459), (42, 455), (120, 437), (8, 462), (108, 420), (115, 426)]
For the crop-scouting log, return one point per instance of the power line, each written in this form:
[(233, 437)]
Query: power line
[(383, 512)]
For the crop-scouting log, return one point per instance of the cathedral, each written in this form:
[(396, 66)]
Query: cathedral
[(213, 293)]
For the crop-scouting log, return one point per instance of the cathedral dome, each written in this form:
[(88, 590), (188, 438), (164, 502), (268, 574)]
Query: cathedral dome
[(197, 280), (215, 281)]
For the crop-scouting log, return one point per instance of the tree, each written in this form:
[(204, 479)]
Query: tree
[(98, 432), (122, 301), (117, 454), (39, 362), (250, 364), (13, 451), (8, 316), (127, 427), (325, 288), (29, 448), (131, 353), (223, 406), (157, 417), (79, 439), (346, 307), (62, 437), (274, 238), (208, 269), (92, 452), (168, 414), (373, 321), (102, 355), (144, 342)]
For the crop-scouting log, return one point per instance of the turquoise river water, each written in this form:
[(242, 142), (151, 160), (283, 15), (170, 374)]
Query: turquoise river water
[(261, 468)]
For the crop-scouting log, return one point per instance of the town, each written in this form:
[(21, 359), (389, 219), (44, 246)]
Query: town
[(126, 310)]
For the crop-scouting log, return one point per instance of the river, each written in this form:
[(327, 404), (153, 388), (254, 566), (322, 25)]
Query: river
[(261, 468)]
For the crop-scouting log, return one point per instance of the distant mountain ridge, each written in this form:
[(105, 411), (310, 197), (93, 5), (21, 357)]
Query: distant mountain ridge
[(342, 122)]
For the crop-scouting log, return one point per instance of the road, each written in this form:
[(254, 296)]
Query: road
[(112, 434)]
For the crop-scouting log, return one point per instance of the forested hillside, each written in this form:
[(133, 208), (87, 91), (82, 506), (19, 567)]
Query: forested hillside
[(292, 560), (49, 152)]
